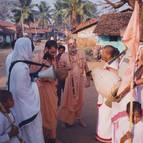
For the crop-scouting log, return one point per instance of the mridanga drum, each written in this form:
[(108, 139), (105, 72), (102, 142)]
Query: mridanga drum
[(106, 82)]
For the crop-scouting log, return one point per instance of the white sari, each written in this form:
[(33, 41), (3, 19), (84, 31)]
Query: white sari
[(26, 98)]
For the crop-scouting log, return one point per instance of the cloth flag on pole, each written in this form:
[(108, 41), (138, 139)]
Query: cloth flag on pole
[(131, 39)]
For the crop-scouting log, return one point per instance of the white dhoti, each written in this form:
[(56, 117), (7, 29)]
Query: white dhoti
[(103, 133), (104, 126), (119, 118)]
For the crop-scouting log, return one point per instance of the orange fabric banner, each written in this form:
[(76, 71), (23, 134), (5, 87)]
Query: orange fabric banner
[(131, 39)]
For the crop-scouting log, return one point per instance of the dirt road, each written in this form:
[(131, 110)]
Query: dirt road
[(74, 134), (78, 134)]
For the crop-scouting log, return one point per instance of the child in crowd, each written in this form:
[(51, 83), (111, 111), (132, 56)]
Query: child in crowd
[(61, 83), (119, 115), (137, 133), (103, 133), (8, 132)]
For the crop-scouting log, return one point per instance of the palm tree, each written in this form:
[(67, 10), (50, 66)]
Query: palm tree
[(86, 10), (45, 14), (58, 15), (23, 13), (6, 6), (75, 11)]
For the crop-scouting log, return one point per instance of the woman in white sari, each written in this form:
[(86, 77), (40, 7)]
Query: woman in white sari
[(27, 102)]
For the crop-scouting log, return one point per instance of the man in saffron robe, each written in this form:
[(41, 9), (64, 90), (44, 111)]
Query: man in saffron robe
[(72, 102)]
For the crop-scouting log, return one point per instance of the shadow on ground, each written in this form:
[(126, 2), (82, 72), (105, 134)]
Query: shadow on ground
[(78, 134)]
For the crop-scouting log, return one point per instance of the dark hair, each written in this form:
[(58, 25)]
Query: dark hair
[(51, 43), (13, 44), (48, 45), (61, 47), (113, 51), (136, 107), (5, 95), (116, 52), (32, 45)]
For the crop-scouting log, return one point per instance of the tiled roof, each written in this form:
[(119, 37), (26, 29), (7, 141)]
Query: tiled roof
[(33, 30), (85, 25), (6, 24), (112, 24)]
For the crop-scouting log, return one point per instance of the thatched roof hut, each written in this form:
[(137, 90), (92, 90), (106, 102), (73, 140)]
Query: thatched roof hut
[(112, 24)]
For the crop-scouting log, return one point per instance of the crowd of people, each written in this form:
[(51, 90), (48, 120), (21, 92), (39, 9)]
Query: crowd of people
[(32, 104), (121, 120)]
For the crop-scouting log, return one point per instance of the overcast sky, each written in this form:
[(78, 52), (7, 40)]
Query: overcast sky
[(52, 1)]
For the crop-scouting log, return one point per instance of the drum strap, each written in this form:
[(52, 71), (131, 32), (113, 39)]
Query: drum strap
[(25, 122), (114, 58), (27, 62)]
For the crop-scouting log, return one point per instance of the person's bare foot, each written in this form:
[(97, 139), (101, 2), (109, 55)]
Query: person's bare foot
[(82, 123), (66, 125)]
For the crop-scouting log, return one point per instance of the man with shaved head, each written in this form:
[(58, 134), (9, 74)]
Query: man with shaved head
[(72, 103)]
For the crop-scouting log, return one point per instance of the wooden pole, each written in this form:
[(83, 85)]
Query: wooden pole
[(132, 92), (131, 104)]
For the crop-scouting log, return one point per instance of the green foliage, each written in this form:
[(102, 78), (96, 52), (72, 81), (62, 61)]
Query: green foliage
[(45, 14), (24, 12), (25, 2), (73, 12)]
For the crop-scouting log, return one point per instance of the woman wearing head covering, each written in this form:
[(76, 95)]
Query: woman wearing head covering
[(27, 102)]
